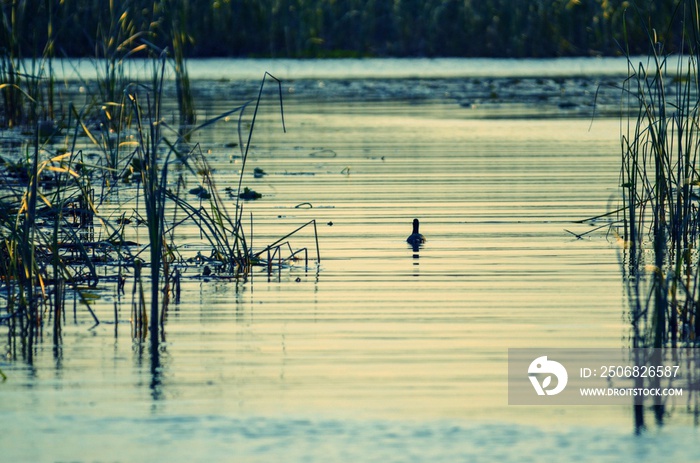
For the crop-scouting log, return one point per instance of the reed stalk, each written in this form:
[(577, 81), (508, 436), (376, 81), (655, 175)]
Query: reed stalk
[(33, 256), (10, 64), (153, 179), (48, 243), (26, 78), (177, 14), (659, 177)]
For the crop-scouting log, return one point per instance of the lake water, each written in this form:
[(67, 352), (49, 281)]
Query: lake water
[(380, 352)]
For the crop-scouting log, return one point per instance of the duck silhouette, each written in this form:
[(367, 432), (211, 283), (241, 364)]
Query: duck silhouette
[(415, 239)]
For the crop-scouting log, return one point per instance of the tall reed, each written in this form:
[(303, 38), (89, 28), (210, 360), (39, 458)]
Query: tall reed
[(26, 70), (177, 16), (118, 39), (154, 178), (352, 28), (43, 253), (37, 259), (659, 178)]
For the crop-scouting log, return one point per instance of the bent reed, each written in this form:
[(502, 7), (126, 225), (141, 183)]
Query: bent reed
[(63, 171)]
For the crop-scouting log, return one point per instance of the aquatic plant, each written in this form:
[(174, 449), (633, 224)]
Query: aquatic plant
[(274, 251), (177, 15), (50, 250), (153, 178), (658, 227), (354, 28), (46, 225), (26, 80), (118, 38), (54, 236), (659, 177)]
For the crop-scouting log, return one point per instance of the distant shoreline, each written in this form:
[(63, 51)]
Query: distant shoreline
[(360, 68)]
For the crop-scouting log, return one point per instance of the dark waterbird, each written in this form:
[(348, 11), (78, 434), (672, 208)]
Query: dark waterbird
[(416, 239)]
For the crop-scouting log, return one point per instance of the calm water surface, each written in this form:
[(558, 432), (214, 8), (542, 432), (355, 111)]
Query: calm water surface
[(379, 353)]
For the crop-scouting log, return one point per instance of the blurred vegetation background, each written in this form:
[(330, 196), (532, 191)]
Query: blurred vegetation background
[(344, 28)]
